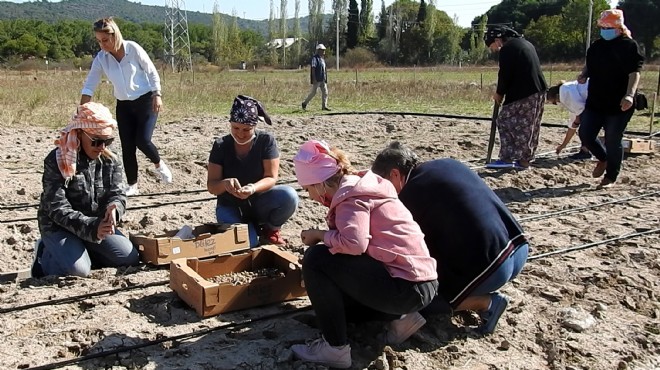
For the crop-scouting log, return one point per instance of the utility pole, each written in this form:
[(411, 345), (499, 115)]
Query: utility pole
[(177, 39), (591, 11)]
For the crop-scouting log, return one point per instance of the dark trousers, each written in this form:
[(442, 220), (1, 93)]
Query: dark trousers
[(614, 125), (136, 121), (344, 287)]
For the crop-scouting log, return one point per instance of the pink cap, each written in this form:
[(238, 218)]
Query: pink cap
[(313, 164)]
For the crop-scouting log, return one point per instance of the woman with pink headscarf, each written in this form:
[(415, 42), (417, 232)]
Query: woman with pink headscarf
[(613, 67), (371, 264), (83, 199)]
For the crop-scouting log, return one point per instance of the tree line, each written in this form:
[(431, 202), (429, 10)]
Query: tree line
[(405, 33)]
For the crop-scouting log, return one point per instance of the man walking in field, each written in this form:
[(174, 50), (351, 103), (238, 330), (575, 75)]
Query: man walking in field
[(521, 91), (318, 78)]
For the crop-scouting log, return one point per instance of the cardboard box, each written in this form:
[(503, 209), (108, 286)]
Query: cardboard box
[(641, 146), (189, 279), (209, 240)]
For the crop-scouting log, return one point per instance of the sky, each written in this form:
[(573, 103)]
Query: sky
[(465, 10)]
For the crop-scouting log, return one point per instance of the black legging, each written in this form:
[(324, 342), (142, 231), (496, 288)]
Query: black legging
[(136, 121)]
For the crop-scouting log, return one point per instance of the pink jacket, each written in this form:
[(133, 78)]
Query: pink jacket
[(366, 216)]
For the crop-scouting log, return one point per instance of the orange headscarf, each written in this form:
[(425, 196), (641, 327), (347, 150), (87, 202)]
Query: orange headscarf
[(613, 18), (94, 119)]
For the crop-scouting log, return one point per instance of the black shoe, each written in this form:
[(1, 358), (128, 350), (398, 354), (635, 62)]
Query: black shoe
[(326, 108), (580, 155), (37, 271), (304, 106)]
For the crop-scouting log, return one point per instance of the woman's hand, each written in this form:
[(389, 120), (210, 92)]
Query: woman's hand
[(245, 191), (312, 236), (626, 102), (108, 225), (232, 186), (157, 103), (560, 148)]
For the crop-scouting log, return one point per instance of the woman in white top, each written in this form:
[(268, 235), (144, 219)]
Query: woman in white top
[(572, 96), (137, 89)]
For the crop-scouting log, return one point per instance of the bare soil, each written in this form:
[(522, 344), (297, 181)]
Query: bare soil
[(596, 308)]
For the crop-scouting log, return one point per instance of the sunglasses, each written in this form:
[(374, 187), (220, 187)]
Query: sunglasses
[(98, 142)]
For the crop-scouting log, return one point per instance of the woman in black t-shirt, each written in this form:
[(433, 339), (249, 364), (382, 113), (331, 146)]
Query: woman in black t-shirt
[(242, 171), (613, 68)]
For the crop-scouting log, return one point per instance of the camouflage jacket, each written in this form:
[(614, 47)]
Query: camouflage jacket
[(79, 206)]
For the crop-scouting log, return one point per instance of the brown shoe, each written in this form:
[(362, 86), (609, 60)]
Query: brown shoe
[(600, 169)]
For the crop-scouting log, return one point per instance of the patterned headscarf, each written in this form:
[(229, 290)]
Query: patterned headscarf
[(94, 119), (314, 164), (248, 111), (613, 18), (498, 31)]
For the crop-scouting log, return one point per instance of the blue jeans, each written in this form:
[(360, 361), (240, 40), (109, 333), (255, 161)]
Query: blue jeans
[(614, 125), (506, 272), (342, 285), (272, 209), (136, 121), (66, 254)]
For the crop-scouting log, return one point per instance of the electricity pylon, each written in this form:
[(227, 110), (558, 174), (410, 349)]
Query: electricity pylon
[(177, 39)]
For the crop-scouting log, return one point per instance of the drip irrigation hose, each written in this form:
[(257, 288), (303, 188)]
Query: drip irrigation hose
[(180, 337), (243, 323), (81, 297), (594, 244)]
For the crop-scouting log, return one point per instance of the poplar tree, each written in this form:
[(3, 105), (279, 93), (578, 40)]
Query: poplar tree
[(366, 21), (219, 34), (271, 34), (297, 33), (283, 29)]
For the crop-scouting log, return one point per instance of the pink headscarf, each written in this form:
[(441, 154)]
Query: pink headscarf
[(93, 118), (613, 18), (313, 163)]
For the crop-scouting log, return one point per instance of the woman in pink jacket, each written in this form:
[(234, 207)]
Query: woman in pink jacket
[(372, 259)]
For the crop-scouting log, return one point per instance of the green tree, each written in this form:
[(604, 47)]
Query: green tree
[(564, 36), (642, 16), (353, 24), (366, 21), (421, 13), (315, 22)]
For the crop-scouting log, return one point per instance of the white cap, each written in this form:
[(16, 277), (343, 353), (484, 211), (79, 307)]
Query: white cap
[(320, 47)]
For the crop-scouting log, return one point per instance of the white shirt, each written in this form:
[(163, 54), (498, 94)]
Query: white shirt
[(573, 97), (131, 78)]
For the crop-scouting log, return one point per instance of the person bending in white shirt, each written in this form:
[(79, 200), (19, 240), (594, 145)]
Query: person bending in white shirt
[(572, 96), (137, 88)]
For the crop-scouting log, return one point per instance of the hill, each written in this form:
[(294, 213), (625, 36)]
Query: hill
[(91, 10)]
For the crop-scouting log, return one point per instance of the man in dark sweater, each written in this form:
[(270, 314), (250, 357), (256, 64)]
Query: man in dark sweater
[(613, 68), (521, 89), (476, 241)]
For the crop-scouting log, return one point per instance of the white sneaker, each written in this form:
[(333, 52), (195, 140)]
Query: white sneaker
[(132, 190), (164, 171), (320, 352), (401, 329)]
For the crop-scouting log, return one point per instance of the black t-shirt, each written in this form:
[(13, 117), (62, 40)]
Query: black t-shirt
[(520, 73), (465, 224), (247, 170), (608, 65)]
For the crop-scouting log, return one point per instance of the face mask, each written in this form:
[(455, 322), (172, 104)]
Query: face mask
[(608, 34), (242, 143)]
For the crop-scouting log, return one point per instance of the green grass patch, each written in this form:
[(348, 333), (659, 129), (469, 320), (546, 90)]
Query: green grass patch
[(48, 98)]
